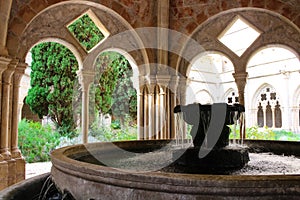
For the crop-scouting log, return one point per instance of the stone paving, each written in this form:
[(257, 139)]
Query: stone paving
[(34, 169)]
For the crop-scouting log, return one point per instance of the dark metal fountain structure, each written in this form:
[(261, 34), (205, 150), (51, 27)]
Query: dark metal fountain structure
[(210, 152)]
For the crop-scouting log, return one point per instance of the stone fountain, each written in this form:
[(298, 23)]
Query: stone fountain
[(93, 171), (210, 152), (115, 171)]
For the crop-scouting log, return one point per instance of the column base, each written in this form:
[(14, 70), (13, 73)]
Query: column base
[(20, 169), (11, 172), (3, 175)]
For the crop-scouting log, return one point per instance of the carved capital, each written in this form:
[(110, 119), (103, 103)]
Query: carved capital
[(173, 84), (4, 62), (85, 78), (8, 73), (20, 69), (163, 80), (241, 80)]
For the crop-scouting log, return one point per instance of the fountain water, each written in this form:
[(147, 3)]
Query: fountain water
[(78, 171)]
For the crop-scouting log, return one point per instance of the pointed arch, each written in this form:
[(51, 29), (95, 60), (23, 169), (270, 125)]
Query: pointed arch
[(204, 97)]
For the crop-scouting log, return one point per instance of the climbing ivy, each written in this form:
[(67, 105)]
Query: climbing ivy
[(86, 32)]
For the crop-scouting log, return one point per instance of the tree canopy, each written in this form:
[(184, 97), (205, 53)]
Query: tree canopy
[(52, 85), (115, 93), (52, 82)]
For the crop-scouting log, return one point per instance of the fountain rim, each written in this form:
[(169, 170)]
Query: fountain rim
[(60, 159), (65, 169)]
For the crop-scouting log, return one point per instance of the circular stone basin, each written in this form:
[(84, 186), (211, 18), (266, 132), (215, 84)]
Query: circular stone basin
[(81, 171)]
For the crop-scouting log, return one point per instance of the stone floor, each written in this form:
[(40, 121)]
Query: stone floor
[(34, 169)]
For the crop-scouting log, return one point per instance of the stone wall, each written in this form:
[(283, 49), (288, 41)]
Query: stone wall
[(187, 15)]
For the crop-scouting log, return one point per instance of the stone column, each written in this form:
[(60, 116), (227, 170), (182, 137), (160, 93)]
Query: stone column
[(146, 114), (85, 79), (15, 152), (151, 123), (173, 100), (140, 107), (151, 108), (163, 82), (15, 109), (4, 62), (140, 117), (7, 78), (273, 117), (265, 116), (157, 112), (286, 114), (6, 92), (163, 107), (241, 80)]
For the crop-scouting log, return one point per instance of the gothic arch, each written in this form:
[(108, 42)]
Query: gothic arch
[(205, 53), (284, 46), (64, 43), (130, 59), (258, 91), (209, 98), (274, 27)]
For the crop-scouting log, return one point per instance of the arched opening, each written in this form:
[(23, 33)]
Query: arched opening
[(274, 70), (210, 72), (268, 108), (113, 98), (48, 86)]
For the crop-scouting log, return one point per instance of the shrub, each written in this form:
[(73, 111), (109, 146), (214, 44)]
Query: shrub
[(265, 133), (286, 135), (36, 141), (115, 132)]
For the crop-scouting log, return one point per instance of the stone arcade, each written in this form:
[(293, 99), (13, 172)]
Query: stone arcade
[(179, 23)]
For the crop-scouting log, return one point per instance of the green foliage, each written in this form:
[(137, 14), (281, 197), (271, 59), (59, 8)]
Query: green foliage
[(107, 134), (52, 81), (113, 133), (36, 141), (260, 134), (105, 81), (286, 135), (265, 133), (114, 92), (86, 32)]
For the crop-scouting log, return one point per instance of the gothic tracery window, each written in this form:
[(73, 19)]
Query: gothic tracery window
[(232, 98), (268, 109)]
